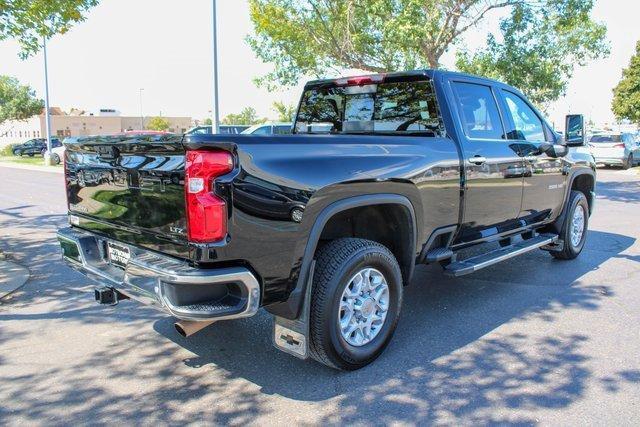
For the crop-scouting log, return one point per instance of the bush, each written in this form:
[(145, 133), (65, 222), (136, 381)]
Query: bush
[(7, 150)]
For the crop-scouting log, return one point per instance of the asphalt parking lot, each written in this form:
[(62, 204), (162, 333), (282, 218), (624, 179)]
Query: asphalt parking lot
[(529, 341)]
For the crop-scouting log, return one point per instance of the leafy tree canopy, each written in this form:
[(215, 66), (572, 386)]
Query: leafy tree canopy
[(285, 112), (539, 48), (316, 37), (28, 21), (626, 95), (158, 123), (247, 116), (17, 102)]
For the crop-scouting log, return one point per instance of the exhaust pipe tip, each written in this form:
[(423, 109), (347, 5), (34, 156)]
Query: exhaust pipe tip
[(186, 328)]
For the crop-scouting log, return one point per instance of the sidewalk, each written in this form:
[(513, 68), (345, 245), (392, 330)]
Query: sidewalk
[(53, 169), (12, 276)]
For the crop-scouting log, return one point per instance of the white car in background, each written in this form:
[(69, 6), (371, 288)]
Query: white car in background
[(615, 149), (57, 154)]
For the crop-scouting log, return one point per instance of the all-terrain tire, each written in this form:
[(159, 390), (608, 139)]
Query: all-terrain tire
[(571, 249), (336, 263)]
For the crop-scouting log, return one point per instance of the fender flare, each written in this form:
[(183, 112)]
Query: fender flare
[(291, 308)]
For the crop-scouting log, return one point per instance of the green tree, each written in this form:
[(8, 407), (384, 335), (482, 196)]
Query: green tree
[(28, 21), (207, 121), (158, 123), (285, 112), (17, 102), (247, 116), (539, 51), (626, 95), (315, 37)]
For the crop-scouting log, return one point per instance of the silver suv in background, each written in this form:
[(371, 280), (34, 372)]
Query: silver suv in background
[(224, 129), (269, 129), (615, 149)]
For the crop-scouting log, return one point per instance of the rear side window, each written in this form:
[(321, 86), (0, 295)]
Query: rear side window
[(527, 124), (282, 130), (478, 111), (606, 138), (405, 107)]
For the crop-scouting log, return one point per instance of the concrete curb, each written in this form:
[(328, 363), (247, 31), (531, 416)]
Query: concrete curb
[(52, 169), (12, 277)]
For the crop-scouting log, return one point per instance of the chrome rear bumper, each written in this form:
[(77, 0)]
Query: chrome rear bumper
[(185, 292)]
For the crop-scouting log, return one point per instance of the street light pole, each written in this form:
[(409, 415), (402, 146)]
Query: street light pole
[(141, 115), (47, 119), (215, 119)]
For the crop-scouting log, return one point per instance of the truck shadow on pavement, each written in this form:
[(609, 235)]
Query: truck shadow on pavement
[(440, 365), (618, 191)]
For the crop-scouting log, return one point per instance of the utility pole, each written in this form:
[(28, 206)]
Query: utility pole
[(215, 119), (47, 119), (141, 115)]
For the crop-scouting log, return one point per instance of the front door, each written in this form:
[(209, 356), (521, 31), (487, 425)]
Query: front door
[(545, 177), (494, 170)]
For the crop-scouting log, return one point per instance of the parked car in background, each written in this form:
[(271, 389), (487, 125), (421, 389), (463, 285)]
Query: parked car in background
[(615, 149), (269, 129), (34, 146), (57, 154), (224, 129)]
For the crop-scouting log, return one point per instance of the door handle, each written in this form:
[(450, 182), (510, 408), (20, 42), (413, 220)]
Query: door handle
[(477, 160)]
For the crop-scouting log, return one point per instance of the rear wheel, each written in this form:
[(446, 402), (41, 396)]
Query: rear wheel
[(628, 163), (55, 159), (356, 300), (574, 229)]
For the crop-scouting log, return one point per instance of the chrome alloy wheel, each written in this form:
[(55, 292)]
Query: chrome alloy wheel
[(577, 226), (363, 307)]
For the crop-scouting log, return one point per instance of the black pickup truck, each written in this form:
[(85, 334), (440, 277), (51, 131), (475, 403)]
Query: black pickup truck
[(324, 227)]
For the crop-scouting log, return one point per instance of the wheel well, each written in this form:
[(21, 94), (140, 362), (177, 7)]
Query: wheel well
[(585, 183), (388, 224)]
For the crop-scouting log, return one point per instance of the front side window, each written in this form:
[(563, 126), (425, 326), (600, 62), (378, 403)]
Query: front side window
[(478, 111), (527, 124), (404, 107)]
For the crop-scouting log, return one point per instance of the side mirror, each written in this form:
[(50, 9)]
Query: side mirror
[(553, 150), (574, 130)]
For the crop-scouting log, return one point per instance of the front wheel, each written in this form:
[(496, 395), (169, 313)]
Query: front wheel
[(355, 305), (55, 159), (574, 229)]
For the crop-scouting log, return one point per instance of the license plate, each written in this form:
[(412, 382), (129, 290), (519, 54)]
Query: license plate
[(118, 255)]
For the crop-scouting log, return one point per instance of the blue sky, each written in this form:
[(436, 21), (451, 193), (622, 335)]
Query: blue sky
[(164, 47)]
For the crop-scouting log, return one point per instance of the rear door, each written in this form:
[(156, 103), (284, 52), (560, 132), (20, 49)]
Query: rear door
[(494, 170), (544, 176)]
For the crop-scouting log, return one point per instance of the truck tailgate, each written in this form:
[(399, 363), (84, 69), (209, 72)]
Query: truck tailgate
[(130, 188)]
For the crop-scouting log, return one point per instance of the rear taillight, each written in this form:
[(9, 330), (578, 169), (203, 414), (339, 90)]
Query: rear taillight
[(206, 212), (618, 146)]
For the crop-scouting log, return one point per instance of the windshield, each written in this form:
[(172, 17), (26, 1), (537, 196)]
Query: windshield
[(407, 107), (606, 138)]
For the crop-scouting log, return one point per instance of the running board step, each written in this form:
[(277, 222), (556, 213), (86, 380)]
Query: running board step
[(470, 265), (438, 254)]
